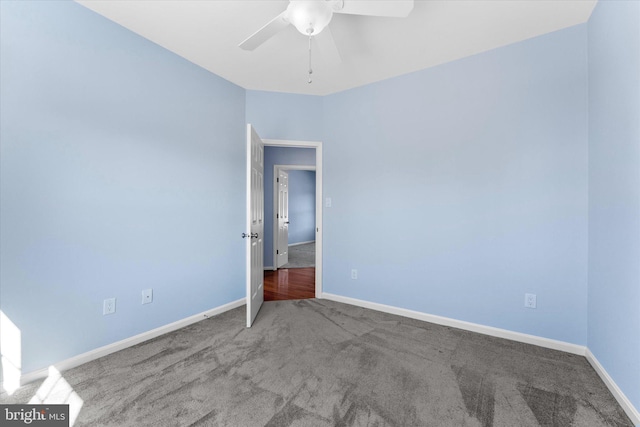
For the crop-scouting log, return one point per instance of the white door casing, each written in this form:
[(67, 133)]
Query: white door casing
[(319, 205), (255, 224), (283, 219)]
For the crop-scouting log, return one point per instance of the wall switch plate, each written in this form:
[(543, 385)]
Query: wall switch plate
[(327, 202), (147, 296), (109, 306), (354, 274), (530, 300)]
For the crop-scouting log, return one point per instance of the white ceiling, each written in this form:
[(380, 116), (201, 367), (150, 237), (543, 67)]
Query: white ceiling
[(207, 33)]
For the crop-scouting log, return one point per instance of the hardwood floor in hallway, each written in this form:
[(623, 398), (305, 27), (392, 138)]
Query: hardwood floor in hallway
[(289, 283)]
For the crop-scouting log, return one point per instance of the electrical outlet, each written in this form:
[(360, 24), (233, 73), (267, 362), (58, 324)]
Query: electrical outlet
[(147, 296), (109, 306), (354, 274), (530, 300)]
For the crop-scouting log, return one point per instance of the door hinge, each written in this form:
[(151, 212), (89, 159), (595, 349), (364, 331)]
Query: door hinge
[(277, 252), (277, 179), (277, 216)]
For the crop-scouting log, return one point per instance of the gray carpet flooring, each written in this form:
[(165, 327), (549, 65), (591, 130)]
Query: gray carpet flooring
[(302, 256), (322, 363)]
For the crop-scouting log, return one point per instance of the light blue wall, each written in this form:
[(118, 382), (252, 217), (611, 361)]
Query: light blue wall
[(285, 116), (121, 169), (302, 206), (279, 156), (614, 192), (459, 188)]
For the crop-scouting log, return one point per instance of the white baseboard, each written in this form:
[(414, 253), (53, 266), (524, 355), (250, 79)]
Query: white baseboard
[(301, 243), (460, 324), (622, 399), (624, 402), (268, 267), (128, 342)]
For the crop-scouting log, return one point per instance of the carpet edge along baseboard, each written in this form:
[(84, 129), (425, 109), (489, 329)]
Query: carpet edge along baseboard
[(580, 350), (99, 352)]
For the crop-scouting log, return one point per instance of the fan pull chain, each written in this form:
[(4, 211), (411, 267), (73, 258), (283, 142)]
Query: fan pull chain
[(310, 70)]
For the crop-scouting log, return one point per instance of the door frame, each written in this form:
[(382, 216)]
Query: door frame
[(318, 168), (276, 226)]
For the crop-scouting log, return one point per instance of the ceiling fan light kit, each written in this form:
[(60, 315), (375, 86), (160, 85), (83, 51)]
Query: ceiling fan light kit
[(310, 17)]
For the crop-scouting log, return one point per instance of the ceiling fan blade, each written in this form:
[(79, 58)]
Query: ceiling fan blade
[(328, 48), (391, 8), (273, 27)]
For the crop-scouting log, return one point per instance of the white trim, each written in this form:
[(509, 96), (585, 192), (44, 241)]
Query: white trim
[(129, 342), (292, 143), (302, 243), (319, 229), (622, 399), (461, 324), (269, 267), (318, 146), (295, 167)]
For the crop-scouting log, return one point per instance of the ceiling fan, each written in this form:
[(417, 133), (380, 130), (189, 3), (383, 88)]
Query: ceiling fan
[(311, 17)]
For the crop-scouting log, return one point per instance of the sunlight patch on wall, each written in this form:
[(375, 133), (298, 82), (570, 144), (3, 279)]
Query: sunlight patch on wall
[(11, 351), (56, 390)]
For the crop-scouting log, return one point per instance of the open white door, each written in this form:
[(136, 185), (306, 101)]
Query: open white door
[(255, 224), (283, 218)]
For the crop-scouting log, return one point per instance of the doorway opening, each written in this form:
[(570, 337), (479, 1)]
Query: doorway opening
[(294, 216), (293, 260)]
